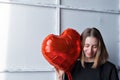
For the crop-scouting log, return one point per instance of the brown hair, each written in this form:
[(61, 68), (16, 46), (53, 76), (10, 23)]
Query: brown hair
[(102, 54)]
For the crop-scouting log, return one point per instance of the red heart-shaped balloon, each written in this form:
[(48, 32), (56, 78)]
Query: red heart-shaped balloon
[(62, 50)]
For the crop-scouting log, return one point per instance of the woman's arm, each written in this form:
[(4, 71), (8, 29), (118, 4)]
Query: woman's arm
[(114, 74), (60, 73)]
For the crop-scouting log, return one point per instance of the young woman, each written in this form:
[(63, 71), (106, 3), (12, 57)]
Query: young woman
[(93, 63)]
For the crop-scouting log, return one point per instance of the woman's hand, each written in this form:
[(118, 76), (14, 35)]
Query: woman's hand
[(59, 73)]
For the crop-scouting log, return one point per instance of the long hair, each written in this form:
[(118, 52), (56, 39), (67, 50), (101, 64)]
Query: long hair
[(102, 54)]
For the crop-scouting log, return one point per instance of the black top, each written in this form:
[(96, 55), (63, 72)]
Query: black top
[(107, 71)]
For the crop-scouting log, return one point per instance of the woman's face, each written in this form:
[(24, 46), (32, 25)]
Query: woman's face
[(90, 47)]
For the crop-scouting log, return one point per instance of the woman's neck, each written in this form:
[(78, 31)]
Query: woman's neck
[(89, 59)]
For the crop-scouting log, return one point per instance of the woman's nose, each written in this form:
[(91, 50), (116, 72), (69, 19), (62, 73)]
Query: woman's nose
[(90, 49)]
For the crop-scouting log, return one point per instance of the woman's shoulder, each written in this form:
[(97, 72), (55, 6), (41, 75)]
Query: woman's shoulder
[(78, 62), (77, 65), (109, 70), (108, 65)]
